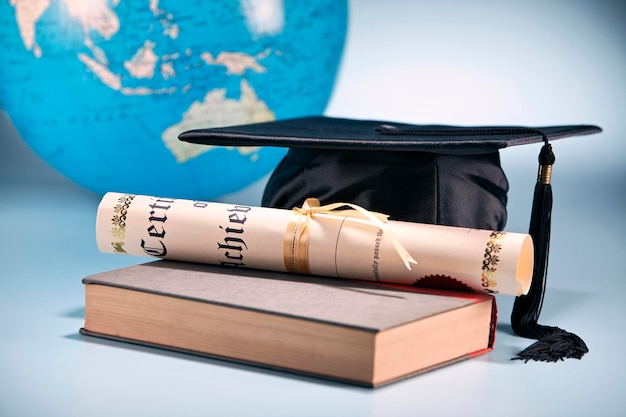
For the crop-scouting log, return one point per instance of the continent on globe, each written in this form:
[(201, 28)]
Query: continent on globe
[(101, 89), (222, 112), (143, 63)]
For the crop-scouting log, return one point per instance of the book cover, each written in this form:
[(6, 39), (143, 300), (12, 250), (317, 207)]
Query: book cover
[(355, 332)]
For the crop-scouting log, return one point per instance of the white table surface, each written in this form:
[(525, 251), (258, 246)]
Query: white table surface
[(410, 61)]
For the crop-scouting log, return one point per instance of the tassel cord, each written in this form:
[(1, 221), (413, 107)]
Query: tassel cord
[(553, 343), (526, 310)]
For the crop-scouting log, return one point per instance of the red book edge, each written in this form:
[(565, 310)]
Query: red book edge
[(471, 296)]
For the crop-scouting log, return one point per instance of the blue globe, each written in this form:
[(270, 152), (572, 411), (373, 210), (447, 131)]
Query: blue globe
[(101, 89)]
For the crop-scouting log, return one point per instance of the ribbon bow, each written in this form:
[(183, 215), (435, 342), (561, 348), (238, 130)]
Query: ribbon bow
[(296, 249)]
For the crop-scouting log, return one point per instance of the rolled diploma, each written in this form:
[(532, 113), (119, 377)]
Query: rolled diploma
[(338, 246)]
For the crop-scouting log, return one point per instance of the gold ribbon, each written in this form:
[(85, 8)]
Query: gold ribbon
[(296, 242)]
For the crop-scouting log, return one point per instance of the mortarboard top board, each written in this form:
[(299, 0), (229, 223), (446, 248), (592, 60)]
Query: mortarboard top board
[(320, 132), (438, 174)]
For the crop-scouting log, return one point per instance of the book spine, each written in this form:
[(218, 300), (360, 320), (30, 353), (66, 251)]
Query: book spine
[(335, 245)]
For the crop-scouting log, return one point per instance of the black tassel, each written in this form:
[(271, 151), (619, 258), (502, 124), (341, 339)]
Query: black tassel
[(558, 345), (553, 343)]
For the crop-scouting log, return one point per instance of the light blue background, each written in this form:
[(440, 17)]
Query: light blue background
[(481, 62)]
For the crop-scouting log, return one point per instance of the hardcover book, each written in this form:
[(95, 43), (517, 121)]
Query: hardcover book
[(344, 330)]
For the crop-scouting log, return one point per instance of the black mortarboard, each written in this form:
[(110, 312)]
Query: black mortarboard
[(447, 175)]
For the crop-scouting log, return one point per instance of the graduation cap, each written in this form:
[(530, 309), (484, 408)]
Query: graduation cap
[(437, 174)]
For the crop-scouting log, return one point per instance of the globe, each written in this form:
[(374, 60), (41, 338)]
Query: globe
[(101, 89)]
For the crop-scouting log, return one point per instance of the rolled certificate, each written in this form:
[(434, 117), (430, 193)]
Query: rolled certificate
[(352, 244)]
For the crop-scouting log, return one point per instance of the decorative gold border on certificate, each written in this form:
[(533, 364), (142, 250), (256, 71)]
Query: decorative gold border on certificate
[(490, 262), (118, 220)]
